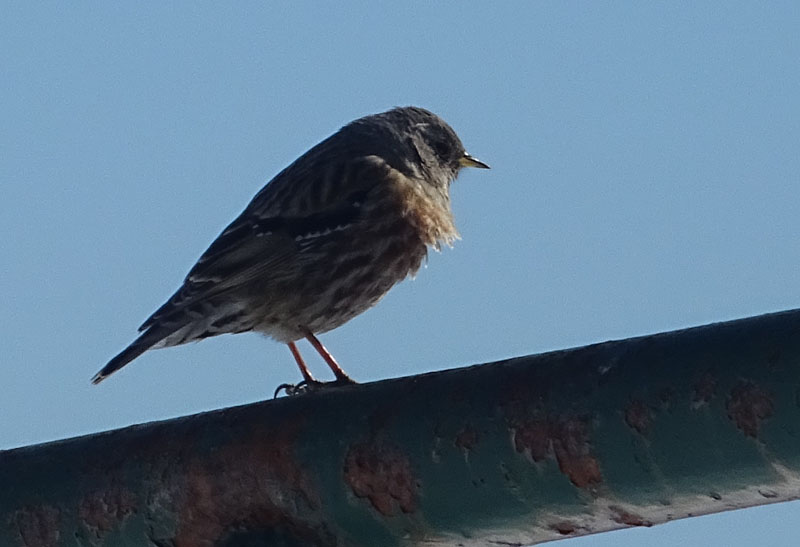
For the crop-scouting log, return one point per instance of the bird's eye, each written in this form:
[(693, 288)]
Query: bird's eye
[(441, 148)]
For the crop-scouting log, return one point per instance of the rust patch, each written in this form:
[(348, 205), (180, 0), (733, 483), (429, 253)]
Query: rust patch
[(638, 417), (627, 518), (467, 438), (573, 453), (252, 485), (565, 527), (105, 510), (38, 526), (567, 442), (381, 473), (748, 405), (704, 390), (534, 438)]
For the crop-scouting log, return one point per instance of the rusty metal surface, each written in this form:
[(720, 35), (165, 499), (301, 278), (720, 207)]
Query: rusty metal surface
[(628, 433)]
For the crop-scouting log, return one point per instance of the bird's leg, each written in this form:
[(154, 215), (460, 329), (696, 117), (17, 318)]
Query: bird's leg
[(309, 382), (341, 375), (309, 379)]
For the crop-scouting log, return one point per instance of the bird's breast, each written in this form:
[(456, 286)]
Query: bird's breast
[(425, 208)]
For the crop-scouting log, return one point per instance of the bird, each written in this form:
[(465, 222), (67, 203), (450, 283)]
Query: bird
[(322, 242)]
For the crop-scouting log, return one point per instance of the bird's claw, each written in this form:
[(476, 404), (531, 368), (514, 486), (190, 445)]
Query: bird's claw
[(291, 389), (307, 386)]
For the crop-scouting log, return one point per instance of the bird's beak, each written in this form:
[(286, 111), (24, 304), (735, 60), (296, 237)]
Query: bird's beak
[(468, 161)]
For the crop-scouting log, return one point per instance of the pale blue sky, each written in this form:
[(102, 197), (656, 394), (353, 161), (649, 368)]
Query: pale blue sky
[(645, 174)]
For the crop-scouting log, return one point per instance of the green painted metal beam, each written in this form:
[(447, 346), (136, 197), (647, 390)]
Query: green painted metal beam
[(628, 433)]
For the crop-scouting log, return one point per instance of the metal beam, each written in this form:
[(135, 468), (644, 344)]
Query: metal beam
[(628, 433)]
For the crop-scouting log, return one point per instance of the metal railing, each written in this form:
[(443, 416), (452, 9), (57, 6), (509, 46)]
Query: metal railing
[(628, 433)]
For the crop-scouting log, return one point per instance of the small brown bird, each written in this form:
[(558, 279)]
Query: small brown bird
[(323, 241)]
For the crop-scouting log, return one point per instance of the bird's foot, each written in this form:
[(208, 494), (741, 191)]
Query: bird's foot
[(307, 386), (291, 389)]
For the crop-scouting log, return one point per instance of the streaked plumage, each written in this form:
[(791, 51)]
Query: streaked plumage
[(323, 241)]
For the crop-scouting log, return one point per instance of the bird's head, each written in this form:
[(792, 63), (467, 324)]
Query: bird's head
[(431, 147)]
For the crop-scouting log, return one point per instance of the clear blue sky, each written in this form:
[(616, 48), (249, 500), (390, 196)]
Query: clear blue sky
[(645, 178)]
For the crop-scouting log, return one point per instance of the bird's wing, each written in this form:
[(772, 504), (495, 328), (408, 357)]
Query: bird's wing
[(277, 231)]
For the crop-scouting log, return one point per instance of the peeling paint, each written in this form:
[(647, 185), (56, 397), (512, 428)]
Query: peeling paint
[(381, 472), (533, 437), (573, 453), (704, 390), (104, 510), (638, 417), (628, 518), (748, 405), (253, 485), (467, 438), (564, 527), (565, 441), (38, 526)]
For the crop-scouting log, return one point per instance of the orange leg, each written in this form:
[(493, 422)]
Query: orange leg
[(302, 364), (340, 374)]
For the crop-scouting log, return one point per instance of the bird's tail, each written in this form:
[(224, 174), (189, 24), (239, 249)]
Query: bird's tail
[(147, 340)]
